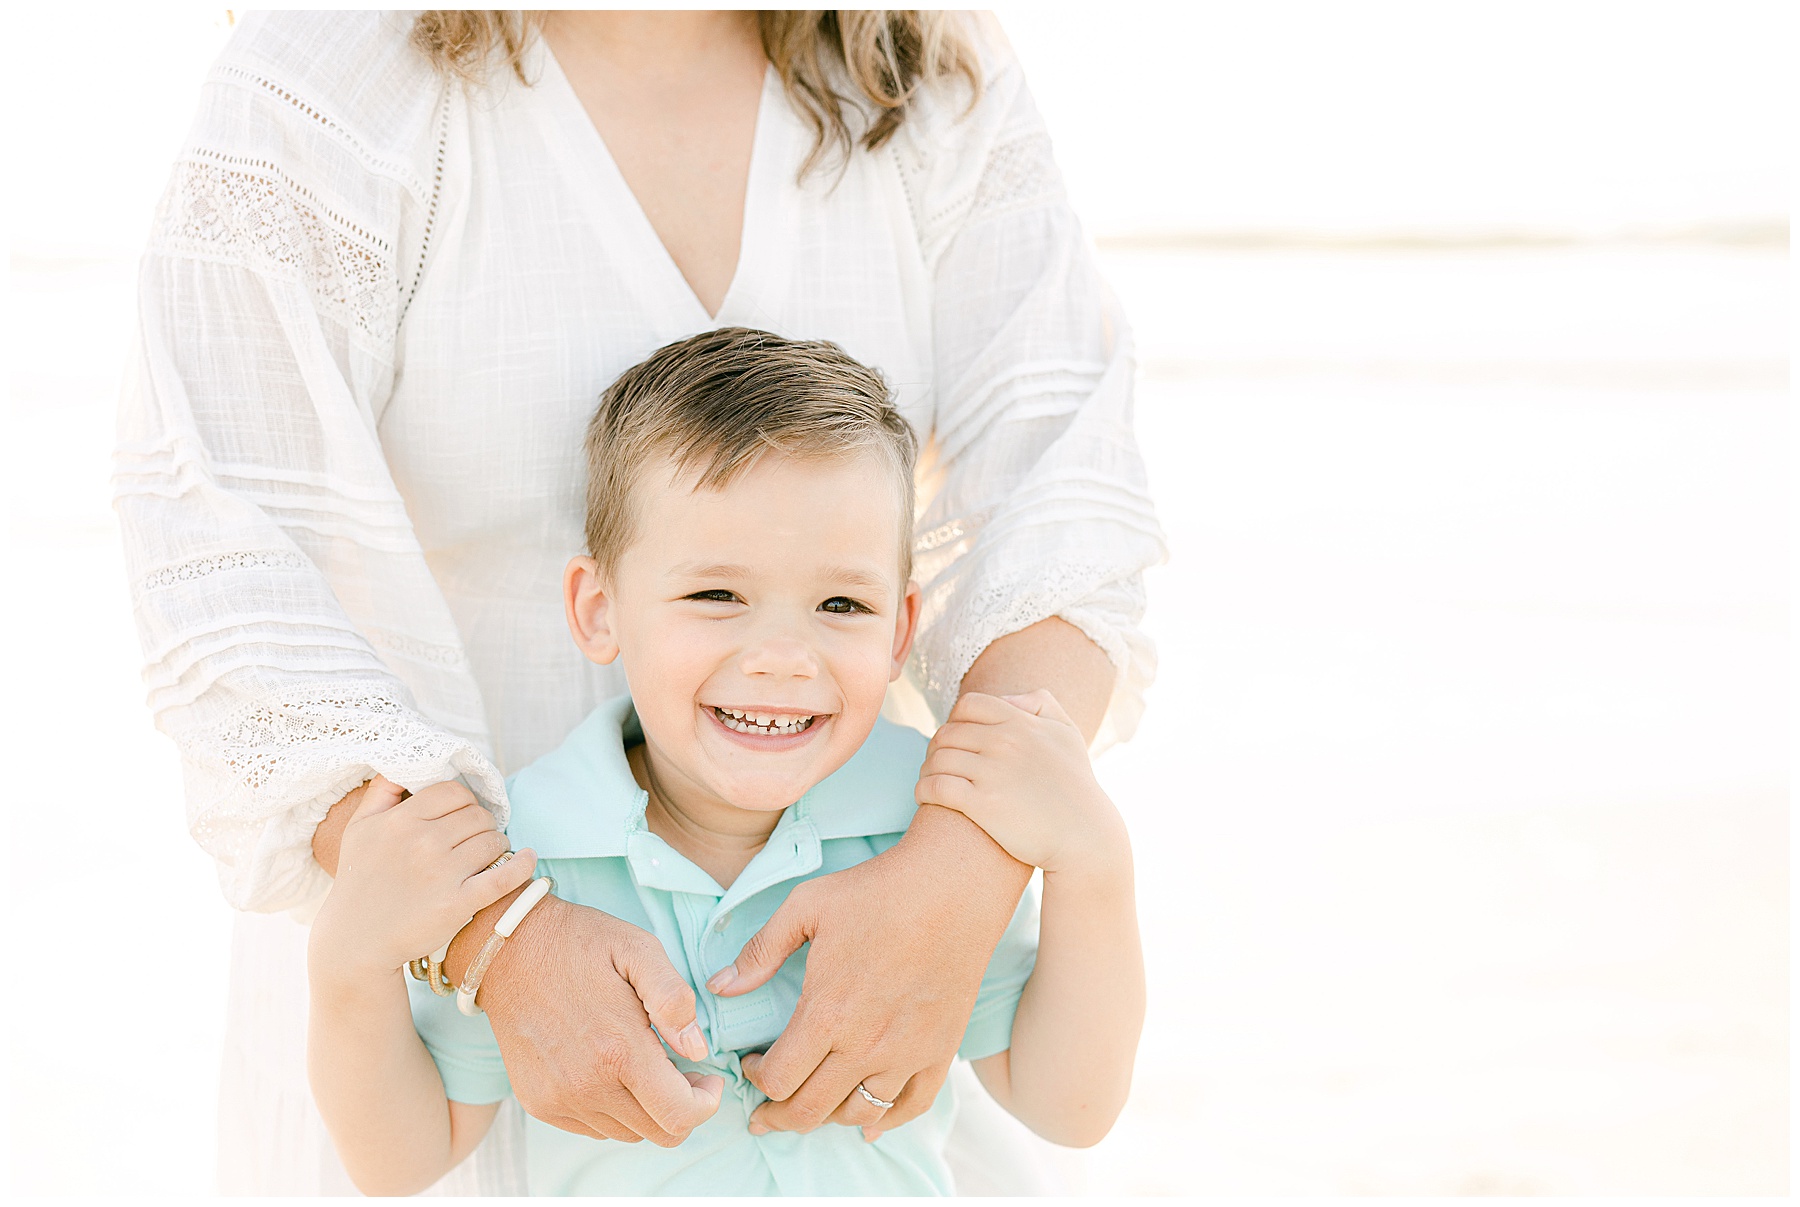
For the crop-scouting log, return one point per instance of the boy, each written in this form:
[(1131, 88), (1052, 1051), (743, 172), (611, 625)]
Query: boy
[(749, 528)]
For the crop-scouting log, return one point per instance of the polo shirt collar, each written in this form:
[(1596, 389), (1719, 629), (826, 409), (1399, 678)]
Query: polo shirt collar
[(581, 801)]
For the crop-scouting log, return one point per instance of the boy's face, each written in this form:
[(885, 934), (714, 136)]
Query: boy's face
[(759, 625)]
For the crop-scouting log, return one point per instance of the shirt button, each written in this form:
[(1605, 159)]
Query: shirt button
[(722, 923)]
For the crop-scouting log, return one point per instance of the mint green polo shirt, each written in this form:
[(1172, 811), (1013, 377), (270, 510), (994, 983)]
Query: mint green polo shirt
[(583, 813)]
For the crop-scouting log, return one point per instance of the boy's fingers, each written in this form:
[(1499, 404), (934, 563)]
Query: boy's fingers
[(475, 852), (951, 761), (949, 791), (981, 709), (484, 888), (440, 799), (460, 825), (1040, 703), (766, 951), (961, 735), (378, 796)]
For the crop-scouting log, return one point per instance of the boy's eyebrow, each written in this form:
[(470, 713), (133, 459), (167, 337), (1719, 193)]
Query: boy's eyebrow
[(710, 570), (848, 575), (854, 577)]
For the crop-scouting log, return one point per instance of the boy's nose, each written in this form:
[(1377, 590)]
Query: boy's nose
[(783, 656)]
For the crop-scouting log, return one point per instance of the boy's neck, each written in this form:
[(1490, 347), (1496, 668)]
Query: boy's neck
[(717, 837)]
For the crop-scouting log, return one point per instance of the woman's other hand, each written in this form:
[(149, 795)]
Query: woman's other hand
[(900, 943), (899, 946), (411, 871)]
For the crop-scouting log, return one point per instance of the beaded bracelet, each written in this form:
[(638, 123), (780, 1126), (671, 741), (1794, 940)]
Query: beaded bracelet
[(503, 929)]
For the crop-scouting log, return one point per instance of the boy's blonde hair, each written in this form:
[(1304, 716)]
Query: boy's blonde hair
[(718, 401)]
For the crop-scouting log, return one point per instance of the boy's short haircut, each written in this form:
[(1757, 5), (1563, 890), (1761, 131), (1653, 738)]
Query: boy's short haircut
[(716, 402)]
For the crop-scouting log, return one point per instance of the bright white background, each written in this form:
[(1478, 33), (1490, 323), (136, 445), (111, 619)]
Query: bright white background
[(1461, 803)]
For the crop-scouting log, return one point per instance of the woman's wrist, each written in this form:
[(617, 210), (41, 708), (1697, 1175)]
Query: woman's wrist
[(519, 954)]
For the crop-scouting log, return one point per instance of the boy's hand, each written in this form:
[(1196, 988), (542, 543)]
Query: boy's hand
[(410, 874), (1018, 767)]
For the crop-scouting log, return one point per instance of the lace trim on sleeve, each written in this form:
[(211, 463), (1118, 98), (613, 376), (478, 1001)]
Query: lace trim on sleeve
[(1002, 606), (311, 743)]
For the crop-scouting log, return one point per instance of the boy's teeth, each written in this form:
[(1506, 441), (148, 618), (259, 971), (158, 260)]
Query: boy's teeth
[(762, 722)]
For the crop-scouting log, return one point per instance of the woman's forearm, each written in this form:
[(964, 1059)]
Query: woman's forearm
[(329, 835), (1075, 1036), (1053, 655)]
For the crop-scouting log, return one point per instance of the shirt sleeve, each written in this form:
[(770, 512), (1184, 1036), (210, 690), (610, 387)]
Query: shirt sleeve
[(295, 643), (463, 1048), (1038, 501), (997, 1002)]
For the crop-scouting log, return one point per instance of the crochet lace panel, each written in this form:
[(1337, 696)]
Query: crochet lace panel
[(249, 212), (1020, 174)]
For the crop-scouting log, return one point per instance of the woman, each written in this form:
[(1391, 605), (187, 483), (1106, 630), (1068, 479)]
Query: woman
[(398, 261)]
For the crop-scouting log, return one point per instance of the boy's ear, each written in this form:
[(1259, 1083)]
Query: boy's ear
[(906, 627), (588, 605)]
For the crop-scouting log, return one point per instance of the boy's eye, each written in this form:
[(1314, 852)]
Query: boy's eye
[(713, 596), (842, 606)]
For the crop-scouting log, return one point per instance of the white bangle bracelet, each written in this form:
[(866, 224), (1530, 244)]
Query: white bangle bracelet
[(509, 921)]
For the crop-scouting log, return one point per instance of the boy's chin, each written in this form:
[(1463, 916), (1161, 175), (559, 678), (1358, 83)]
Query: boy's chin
[(763, 796)]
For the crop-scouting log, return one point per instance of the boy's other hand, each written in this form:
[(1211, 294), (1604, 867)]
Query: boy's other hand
[(411, 871), (1018, 767)]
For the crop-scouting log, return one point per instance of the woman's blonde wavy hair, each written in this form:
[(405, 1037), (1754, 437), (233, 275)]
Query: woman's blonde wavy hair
[(887, 55)]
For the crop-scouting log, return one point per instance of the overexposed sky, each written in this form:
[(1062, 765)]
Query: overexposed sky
[(1284, 115)]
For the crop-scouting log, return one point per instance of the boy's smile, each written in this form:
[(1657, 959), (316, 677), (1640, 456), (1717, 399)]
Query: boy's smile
[(759, 625)]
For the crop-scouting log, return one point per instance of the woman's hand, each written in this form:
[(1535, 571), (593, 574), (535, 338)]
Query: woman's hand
[(899, 945), (1018, 767), (571, 998), (411, 870)]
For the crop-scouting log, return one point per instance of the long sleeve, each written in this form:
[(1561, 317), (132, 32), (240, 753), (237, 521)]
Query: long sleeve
[(1039, 505), (295, 643)]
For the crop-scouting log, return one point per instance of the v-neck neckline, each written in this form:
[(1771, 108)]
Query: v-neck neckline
[(573, 116)]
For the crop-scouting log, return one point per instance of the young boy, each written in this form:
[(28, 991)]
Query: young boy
[(749, 531)]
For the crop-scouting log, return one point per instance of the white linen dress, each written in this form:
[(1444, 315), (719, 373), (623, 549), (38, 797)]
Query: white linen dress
[(376, 312)]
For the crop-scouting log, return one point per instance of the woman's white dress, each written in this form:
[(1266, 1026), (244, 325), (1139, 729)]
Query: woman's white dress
[(376, 312)]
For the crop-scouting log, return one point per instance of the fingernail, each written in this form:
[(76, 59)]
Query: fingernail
[(691, 1043), (870, 1137), (722, 979), (757, 1129)]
